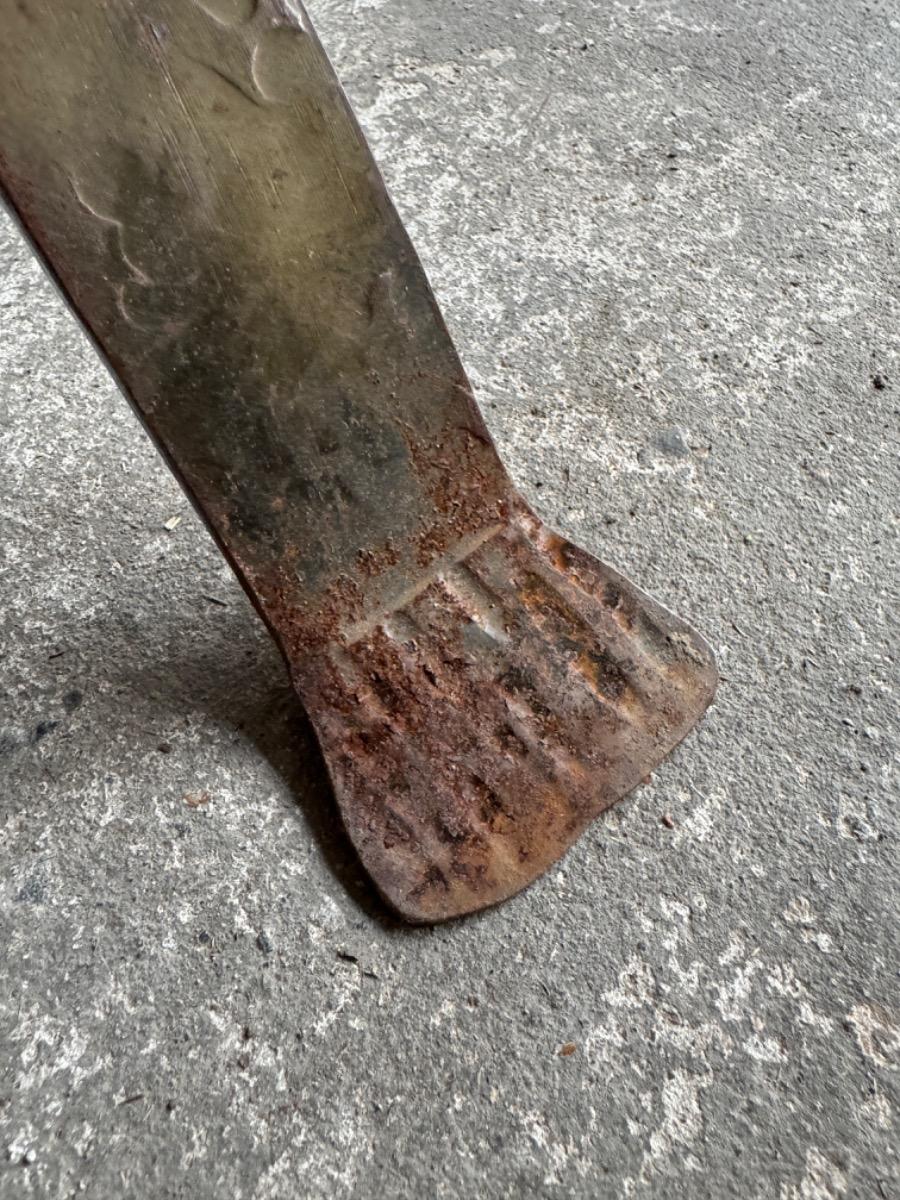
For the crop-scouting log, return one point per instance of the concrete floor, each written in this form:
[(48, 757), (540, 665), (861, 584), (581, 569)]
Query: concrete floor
[(665, 238)]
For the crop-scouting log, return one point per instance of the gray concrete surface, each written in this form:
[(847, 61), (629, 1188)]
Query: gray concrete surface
[(665, 238)]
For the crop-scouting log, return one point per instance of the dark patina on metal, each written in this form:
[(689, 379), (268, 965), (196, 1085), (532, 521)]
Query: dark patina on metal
[(482, 689)]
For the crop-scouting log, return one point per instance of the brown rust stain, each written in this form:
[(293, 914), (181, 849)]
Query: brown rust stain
[(462, 477), (465, 766), (373, 563)]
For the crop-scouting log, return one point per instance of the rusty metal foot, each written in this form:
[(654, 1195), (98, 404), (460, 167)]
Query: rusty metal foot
[(476, 726), (193, 177)]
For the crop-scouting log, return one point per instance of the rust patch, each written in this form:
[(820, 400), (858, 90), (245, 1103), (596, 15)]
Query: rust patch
[(462, 478), (372, 563), (465, 765)]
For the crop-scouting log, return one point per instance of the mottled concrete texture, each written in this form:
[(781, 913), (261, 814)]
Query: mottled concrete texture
[(665, 238)]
